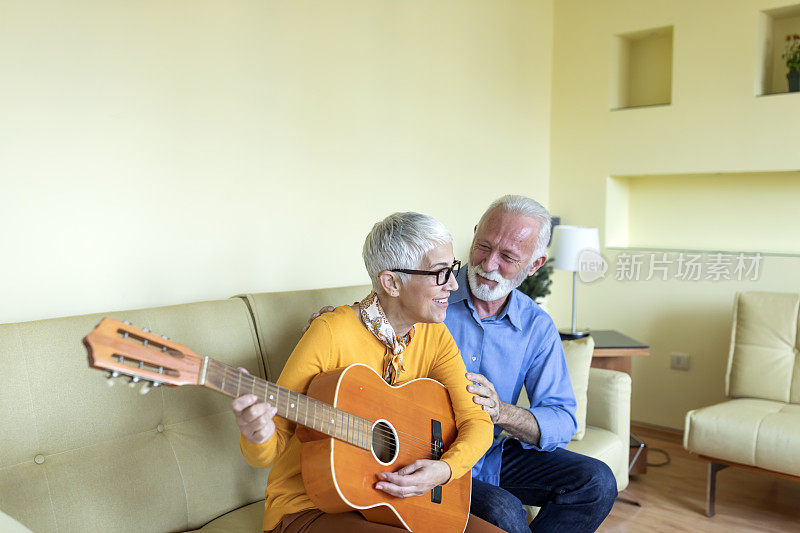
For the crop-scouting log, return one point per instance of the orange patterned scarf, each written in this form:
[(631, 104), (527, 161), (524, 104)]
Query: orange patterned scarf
[(374, 319)]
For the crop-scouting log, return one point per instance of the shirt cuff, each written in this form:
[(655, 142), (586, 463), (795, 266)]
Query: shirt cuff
[(548, 429)]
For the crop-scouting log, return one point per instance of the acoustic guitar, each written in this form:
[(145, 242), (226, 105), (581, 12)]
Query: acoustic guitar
[(351, 423)]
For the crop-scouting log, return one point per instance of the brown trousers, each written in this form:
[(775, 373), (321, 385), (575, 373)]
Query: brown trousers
[(314, 520)]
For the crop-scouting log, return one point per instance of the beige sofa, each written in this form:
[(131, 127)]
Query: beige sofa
[(759, 427), (77, 455)]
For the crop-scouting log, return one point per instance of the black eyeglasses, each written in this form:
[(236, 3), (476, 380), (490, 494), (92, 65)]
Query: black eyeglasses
[(442, 276)]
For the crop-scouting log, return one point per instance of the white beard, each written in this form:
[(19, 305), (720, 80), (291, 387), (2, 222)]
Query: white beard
[(501, 290)]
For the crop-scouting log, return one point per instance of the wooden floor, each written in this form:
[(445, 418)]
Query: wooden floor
[(672, 497)]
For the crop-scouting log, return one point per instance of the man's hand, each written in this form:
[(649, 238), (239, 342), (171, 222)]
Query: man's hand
[(519, 422), (415, 479), (486, 396), (326, 309), (254, 417)]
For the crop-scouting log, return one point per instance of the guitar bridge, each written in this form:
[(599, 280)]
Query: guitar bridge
[(437, 450)]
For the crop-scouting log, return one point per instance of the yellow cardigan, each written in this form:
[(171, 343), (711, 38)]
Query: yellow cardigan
[(339, 339)]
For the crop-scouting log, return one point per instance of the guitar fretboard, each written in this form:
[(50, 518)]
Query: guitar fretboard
[(291, 405)]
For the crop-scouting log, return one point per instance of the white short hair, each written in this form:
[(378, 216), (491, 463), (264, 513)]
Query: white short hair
[(522, 205), (401, 240)]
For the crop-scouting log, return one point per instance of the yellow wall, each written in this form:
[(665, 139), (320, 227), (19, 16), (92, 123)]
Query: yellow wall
[(161, 152), (715, 123)]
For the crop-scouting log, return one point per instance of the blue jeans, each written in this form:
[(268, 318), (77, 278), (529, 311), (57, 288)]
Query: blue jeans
[(575, 492)]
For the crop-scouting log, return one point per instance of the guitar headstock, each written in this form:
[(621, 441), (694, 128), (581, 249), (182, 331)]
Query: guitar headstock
[(125, 350)]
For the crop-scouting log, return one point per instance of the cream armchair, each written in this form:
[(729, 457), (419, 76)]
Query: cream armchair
[(759, 427)]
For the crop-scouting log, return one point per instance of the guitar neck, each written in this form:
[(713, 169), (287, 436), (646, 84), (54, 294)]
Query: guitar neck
[(291, 405)]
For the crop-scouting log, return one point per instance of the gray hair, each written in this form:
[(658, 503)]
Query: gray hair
[(401, 240), (522, 205)]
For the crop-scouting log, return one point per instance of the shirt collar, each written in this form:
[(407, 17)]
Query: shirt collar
[(462, 293), (512, 309)]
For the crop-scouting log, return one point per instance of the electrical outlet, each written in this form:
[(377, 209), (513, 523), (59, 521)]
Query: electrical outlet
[(679, 361)]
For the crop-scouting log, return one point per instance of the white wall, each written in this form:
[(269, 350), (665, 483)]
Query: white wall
[(157, 152)]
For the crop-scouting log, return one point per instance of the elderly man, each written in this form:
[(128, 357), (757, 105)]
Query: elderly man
[(508, 342)]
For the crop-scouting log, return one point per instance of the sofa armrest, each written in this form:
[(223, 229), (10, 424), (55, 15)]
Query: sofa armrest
[(608, 403), (9, 525)]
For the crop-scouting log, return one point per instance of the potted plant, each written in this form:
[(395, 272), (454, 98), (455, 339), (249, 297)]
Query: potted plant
[(792, 58), (537, 286)]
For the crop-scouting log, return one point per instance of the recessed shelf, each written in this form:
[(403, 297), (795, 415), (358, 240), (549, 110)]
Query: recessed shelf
[(642, 69), (774, 94), (653, 249), (639, 107), (773, 27), (743, 211)]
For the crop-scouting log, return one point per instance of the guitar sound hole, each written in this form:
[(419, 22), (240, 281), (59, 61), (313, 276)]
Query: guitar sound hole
[(384, 442)]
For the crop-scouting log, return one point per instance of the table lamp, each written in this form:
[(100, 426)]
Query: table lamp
[(568, 243)]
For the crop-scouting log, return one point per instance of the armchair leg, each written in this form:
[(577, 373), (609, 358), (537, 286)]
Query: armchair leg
[(711, 487)]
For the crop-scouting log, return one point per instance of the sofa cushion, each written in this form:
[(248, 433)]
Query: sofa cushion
[(9, 525), (607, 447), (281, 316), (80, 456), (579, 359), (764, 359), (749, 431)]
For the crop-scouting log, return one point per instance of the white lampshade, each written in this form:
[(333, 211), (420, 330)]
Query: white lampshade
[(569, 242)]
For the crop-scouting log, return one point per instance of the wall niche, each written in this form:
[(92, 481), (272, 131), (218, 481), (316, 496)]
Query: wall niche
[(773, 27), (642, 68)]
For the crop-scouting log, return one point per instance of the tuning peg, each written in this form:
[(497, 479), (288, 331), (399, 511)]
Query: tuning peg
[(127, 323), (154, 384), (133, 381), (146, 330), (110, 378)]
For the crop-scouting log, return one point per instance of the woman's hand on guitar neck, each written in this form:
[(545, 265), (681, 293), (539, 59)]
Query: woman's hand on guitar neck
[(415, 479), (254, 417)]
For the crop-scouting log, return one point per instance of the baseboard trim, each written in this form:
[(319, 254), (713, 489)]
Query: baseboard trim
[(644, 429)]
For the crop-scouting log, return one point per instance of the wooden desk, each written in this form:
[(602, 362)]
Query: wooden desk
[(613, 350)]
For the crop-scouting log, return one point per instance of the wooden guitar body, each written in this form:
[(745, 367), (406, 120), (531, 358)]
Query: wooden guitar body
[(340, 477)]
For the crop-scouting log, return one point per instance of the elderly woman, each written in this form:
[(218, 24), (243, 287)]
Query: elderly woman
[(396, 330)]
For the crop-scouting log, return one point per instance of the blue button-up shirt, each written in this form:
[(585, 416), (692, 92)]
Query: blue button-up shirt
[(520, 346)]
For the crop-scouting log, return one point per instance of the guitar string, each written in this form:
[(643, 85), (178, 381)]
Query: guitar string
[(411, 440), (233, 373), (420, 444)]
